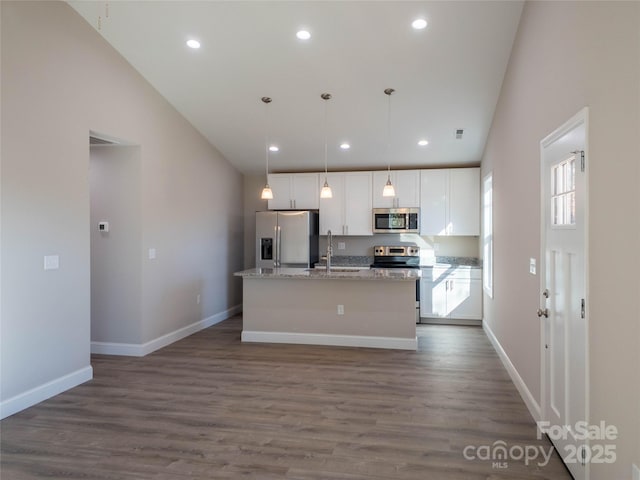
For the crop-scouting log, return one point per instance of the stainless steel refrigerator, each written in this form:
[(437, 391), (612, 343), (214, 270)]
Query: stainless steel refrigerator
[(286, 239)]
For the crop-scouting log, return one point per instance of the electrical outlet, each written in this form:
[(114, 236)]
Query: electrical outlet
[(341, 246), (198, 299), (436, 247), (340, 309), (152, 254), (51, 262), (532, 266)]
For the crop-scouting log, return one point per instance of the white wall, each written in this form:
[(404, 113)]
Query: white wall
[(568, 55), (116, 255), (60, 80)]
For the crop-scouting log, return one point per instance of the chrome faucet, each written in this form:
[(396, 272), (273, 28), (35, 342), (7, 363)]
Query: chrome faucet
[(329, 249)]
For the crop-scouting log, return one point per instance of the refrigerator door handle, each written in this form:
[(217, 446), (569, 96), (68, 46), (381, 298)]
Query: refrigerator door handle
[(278, 245)]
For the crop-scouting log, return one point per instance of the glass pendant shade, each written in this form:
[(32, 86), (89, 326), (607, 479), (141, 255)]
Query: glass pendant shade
[(388, 190), (326, 190), (267, 194)]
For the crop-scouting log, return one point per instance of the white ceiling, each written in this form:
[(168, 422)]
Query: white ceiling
[(447, 76)]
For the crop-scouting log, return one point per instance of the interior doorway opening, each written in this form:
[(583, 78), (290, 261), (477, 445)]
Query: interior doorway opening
[(115, 236)]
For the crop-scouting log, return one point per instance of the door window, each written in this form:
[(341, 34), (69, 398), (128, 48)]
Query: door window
[(563, 193)]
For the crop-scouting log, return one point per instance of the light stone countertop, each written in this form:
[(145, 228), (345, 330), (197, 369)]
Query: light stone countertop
[(399, 274)]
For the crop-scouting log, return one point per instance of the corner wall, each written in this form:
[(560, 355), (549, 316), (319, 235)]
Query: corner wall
[(60, 79), (568, 55)]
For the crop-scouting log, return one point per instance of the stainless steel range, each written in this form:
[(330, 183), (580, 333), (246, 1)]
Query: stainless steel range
[(399, 256)]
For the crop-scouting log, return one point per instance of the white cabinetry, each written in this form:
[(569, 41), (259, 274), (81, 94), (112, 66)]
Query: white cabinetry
[(450, 201), (406, 184), (294, 191), (348, 212), (453, 292)]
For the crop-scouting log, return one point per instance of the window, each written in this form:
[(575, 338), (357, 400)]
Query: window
[(487, 234), (563, 193)]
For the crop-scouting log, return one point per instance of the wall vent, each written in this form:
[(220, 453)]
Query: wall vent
[(459, 133)]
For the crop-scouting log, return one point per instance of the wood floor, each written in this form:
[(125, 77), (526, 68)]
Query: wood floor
[(210, 407)]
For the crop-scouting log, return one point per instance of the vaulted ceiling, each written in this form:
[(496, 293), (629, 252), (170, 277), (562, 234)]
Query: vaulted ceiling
[(447, 76)]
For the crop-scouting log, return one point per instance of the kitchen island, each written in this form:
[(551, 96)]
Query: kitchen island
[(358, 308)]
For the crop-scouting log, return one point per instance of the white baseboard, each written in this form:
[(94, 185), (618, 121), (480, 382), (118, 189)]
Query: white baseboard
[(142, 349), (43, 392), (530, 402), (333, 340)]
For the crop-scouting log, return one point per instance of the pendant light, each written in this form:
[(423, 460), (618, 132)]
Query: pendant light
[(267, 194), (326, 189), (388, 190)]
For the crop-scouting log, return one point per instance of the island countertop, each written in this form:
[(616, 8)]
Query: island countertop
[(336, 273)]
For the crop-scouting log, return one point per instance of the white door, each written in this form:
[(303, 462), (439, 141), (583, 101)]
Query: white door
[(304, 191), (564, 304), (332, 209), (433, 201), (379, 181), (281, 187), (464, 206), (357, 204), (407, 184)]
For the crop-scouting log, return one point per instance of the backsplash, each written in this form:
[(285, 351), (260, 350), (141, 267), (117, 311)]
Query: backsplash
[(430, 247)]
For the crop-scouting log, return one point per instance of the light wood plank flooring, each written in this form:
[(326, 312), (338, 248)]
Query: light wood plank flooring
[(210, 407)]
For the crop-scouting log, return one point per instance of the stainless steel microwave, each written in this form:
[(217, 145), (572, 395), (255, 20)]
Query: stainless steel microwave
[(396, 220)]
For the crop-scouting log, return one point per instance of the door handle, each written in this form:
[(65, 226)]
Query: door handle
[(543, 313)]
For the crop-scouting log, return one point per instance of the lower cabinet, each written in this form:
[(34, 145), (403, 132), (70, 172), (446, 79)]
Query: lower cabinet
[(451, 292)]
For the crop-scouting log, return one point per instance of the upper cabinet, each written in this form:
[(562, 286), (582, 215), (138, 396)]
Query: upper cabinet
[(294, 191), (348, 212), (450, 201), (406, 184)]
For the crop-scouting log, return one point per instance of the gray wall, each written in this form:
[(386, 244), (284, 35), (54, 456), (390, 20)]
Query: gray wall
[(569, 55), (60, 79), (253, 185), (114, 177)]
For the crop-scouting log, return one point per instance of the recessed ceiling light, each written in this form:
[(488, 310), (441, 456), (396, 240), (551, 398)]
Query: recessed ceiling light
[(193, 43), (345, 146), (273, 148), (423, 143), (419, 23), (303, 35)]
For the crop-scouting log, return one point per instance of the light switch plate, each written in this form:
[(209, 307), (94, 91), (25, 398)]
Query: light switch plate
[(152, 254), (103, 227), (636, 472), (51, 262), (532, 266)]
